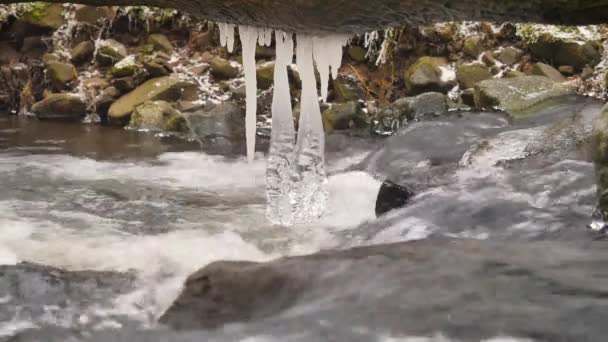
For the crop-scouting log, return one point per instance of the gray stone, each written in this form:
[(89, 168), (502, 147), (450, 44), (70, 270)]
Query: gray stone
[(83, 52), (160, 42), (427, 74), (159, 116), (60, 106), (542, 69), (468, 75), (510, 55), (344, 116)]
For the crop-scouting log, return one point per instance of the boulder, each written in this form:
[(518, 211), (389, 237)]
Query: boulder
[(357, 53), (83, 52), (60, 73), (43, 14), (567, 70), (110, 51), (473, 46), (542, 69), (392, 196), (160, 42), (168, 88), (8, 54), (468, 75), (128, 66), (407, 109), (344, 116), (159, 116), (429, 74), (50, 57), (223, 69), (518, 95), (509, 55), (265, 75), (93, 14), (222, 124), (345, 89), (199, 69), (60, 106)]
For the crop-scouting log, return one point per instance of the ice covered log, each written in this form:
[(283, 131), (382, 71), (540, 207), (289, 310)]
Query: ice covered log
[(314, 16)]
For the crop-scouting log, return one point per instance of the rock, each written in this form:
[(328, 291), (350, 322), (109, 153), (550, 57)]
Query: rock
[(514, 73), (8, 54), (510, 55), (34, 46), (50, 57), (60, 106), (158, 115), (160, 42), (587, 72), (128, 66), (223, 69), (190, 106), (83, 52), (110, 51), (265, 75), (392, 196), (264, 52), (468, 75), (488, 59), (125, 84), (344, 116), (222, 124), (542, 69), (168, 88), (429, 74), (93, 14), (157, 67), (46, 15), (61, 74), (599, 155), (407, 109), (567, 70), (103, 101), (517, 96), (473, 46), (357, 53), (468, 97), (344, 89), (199, 69), (447, 31), (201, 41)]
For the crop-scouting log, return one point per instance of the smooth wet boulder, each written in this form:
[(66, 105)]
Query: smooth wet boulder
[(223, 69), (429, 74), (468, 75), (158, 116), (222, 125), (542, 69), (110, 51), (93, 15), (160, 42), (344, 116), (83, 52), (60, 106), (168, 88), (518, 95), (473, 46), (392, 196), (60, 74), (43, 14)]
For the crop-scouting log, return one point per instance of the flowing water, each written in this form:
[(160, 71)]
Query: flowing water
[(99, 227)]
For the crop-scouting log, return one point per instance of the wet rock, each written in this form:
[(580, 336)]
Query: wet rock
[(344, 116), (125, 84), (357, 53), (60, 106), (488, 59), (392, 196), (514, 73), (223, 69), (104, 100), (160, 42), (46, 15), (201, 41), (50, 57), (344, 89), (567, 70), (110, 51), (222, 125), (542, 69), (510, 55), (61, 74), (128, 66), (468, 97), (473, 46), (156, 67), (407, 109), (158, 115), (93, 15), (265, 75), (429, 74), (199, 69), (518, 95), (168, 88), (468, 75), (83, 52), (8, 54)]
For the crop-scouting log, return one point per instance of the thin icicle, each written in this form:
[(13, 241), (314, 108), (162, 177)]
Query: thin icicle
[(327, 53), (279, 170), (226, 35), (249, 37)]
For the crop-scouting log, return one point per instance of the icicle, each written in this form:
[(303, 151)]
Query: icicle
[(249, 37), (327, 53), (279, 169), (227, 35)]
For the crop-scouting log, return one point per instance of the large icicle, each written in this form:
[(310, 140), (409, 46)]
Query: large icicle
[(279, 170), (249, 38), (227, 35)]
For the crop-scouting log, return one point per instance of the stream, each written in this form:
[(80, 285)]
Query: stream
[(100, 227)]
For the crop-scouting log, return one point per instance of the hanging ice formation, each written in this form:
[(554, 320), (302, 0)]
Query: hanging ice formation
[(295, 176)]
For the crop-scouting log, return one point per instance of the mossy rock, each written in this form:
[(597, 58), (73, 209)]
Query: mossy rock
[(357, 53), (265, 75), (344, 116), (92, 15), (158, 115), (468, 75), (83, 52), (160, 42), (110, 51), (427, 75), (168, 88), (60, 107), (60, 73), (473, 46), (50, 57), (223, 69), (43, 14), (128, 66), (519, 96)]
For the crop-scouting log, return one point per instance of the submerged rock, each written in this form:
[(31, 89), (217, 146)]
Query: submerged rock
[(60, 106), (392, 196), (518, 95), (168, 88), (158, 115)]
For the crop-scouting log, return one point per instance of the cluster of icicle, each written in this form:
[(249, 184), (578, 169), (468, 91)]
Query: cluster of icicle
[(295, 175)]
